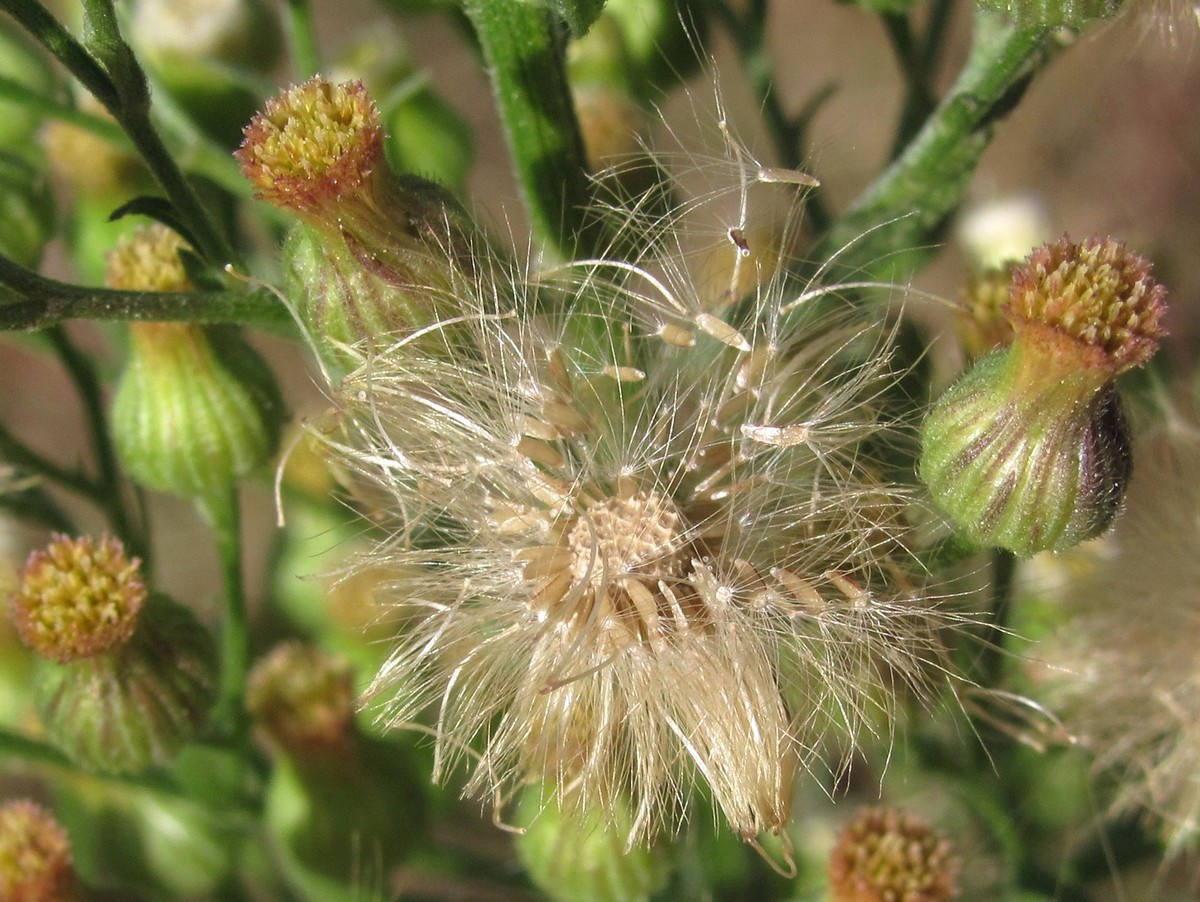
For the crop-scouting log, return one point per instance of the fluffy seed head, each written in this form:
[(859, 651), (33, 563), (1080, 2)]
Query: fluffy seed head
[(148, 260), (35, 855), (636, 536), (312, 143), (1095, 292), (78, 598), (887, 855)]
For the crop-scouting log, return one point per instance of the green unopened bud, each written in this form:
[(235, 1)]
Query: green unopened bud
[(888, 854), (1029, 450), (384, 251), (135, 706), (35, 856), (196, 409), (577, 856)]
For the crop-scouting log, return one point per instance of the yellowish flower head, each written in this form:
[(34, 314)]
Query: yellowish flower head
[(78, 598)]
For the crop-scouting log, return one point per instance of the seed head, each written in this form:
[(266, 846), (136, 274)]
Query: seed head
[(1124, 655), (78, 598), (658, 534), (887, 855)]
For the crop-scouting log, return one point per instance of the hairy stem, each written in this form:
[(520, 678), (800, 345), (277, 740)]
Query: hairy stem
[(229, 717), (917, 194), (49, 302), (523, 48)]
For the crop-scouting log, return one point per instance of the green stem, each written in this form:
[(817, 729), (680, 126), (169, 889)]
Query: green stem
[(50, 302), (35, 505), (916, 195), (523, 49), (302, 38), (51, 34), (919, 100), (229, 717), (991, 659), (111, 497)]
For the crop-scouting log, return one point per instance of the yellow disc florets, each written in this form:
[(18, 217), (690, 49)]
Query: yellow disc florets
[(78, 598), (885, 855), (312, 143), (1095, 292), (148, 260)]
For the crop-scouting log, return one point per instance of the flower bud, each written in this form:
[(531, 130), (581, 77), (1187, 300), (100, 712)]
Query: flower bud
[(329, 823), (132, 678), (583, 857), (35, 856), (888, 854), (196, 409), (302, 700), (78, 598), (133, 707), (383, 250), (1029, 450)]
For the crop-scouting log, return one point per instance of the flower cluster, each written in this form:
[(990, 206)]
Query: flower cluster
[(644, 537)]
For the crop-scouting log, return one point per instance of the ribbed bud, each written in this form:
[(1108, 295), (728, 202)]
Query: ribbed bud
[(184, 419), (1029, 450), (78, 598), (384, 250), (886, 855), (35, 856), (196, 409), (135, 705), (583, 858)]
